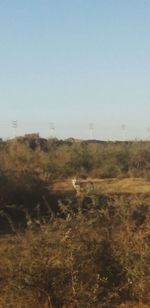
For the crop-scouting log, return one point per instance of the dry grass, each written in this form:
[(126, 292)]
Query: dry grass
[(127, 185)]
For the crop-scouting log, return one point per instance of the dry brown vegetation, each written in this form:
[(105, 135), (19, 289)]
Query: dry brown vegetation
[(63, 251), (96, 255)]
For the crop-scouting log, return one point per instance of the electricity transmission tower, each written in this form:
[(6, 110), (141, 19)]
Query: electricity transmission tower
[(52, 130), (91, 130), (123, 128), (14, 124)]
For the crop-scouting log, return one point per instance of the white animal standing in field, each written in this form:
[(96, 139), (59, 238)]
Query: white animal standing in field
[(81, 186), (76, 186)]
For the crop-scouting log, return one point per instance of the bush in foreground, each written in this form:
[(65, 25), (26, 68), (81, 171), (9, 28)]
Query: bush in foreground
[(96, 257)]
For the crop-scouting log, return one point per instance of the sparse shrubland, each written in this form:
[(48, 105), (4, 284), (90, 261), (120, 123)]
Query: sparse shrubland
[(61, 159), (64, 251)]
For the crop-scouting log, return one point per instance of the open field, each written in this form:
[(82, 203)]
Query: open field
[(106, 186)]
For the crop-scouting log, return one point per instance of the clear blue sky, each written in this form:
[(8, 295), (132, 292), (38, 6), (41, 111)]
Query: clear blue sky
[(75, 62)]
